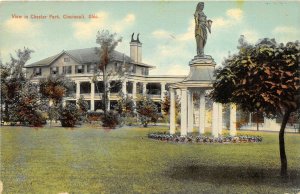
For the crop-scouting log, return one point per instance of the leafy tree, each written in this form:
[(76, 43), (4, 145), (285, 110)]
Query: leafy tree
[(26, 107), (108, 42), (111, 120), (69, 115), (83, 107), (166, 104), (125, 106), (262, 77), (147, 110), (12, 80), (53, 89)]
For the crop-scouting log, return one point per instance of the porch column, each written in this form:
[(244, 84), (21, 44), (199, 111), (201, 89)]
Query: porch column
[(144, 88), (134, 90), (190, 112), (92, 96), (172, 111), (220, 118), (232, 120), (124, 90), (77, 90), (162, 90), (64, 103), (202, 113), (183, 130), (215, 122)]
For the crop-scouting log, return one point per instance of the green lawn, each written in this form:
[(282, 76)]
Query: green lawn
[(92, 160)]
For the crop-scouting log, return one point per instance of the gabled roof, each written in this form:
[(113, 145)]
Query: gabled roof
[(83, 56)]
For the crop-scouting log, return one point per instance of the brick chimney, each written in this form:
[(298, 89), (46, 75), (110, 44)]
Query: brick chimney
[(136, 49)]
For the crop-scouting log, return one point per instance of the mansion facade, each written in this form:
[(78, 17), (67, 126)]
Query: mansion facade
[(80, 66)]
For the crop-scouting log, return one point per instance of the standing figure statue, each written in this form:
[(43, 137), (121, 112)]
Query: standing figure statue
[(200, 28)]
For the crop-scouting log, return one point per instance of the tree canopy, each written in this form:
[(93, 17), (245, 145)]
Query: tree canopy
[(262, 77)]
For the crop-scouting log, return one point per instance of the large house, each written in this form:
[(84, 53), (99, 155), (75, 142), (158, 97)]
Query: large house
[(80, 66)]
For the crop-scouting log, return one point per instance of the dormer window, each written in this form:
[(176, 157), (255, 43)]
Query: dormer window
[(79, 69), (54, 70), (37, 71), (67, 59)]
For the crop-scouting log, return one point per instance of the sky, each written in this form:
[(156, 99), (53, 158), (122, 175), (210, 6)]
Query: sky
[(166, 28)]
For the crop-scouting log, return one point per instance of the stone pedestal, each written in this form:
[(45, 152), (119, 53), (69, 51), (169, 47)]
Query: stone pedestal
[(200, 78), (201, 69)]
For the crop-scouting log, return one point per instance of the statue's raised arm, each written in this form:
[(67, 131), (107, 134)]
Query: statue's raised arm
[(201, 26)]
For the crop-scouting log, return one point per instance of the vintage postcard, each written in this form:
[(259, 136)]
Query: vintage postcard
[(150, 96)]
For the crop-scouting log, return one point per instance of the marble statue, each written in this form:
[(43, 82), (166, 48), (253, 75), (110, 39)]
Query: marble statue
[(201, 26)]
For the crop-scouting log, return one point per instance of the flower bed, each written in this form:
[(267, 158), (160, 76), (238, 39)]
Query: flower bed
[(204, 139)]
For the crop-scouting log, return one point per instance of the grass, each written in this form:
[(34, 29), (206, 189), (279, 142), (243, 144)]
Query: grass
[(92, 160)]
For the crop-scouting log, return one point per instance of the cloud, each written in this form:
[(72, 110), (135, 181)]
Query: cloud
[(162, 34), (178, 70), (190, 33), (186, 36), (87, 30), (236, 14), (233, 17), (21, 27), (250, 35), (19, 33), (286, 33), (180, 48), (123, 24), (174, 49)]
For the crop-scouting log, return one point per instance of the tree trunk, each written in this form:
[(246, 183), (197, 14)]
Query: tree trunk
[(104, 91), (283, 159)]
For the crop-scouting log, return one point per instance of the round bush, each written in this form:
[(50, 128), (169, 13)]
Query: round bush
[(69, 115)]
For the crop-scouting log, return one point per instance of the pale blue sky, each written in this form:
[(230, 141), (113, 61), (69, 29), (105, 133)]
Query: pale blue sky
[(166, 27)]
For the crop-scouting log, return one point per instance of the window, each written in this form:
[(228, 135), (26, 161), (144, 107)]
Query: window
[(71, 90), (115, 86), (145, 71), (85, 88), (79, 69), (66, 59), (99, 87), (129, 87), (37, 71), (91, 68), (132, 69), (54, 70), (67, 69), (118, 67)]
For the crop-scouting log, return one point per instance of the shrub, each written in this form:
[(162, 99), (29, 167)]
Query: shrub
[(111, 120), (25, 108), (147, 110), (94, 116), (83, 109), (69, 115), (163, 136)]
